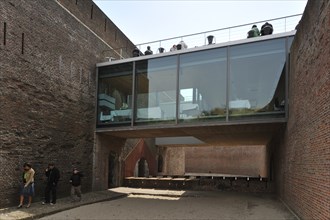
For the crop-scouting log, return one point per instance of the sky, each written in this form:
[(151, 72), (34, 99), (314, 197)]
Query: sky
[(150, 20)]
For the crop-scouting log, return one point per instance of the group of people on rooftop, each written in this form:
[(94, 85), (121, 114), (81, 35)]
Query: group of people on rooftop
[(180, 46), (266, 29)]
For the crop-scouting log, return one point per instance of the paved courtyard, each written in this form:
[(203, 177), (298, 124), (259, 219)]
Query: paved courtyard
[(164, 204)]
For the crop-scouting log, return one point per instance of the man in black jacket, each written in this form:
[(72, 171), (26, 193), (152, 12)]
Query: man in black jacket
[(75, 181), (53, 175)]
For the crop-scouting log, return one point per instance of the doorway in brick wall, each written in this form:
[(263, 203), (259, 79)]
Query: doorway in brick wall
[(141, 168), (112, 169)]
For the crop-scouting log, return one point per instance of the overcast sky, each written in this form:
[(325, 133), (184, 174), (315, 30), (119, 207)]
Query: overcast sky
[(145, 21)]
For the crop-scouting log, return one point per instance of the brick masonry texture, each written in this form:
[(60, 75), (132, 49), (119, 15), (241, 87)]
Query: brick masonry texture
[(47, 92), (98, 22), (303, 150)]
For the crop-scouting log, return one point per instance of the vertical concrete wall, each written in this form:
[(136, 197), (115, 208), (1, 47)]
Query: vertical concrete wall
[(47, 93), (303, 152)]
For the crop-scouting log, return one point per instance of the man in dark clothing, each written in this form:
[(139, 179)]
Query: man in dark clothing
[(75, 181), (266, 29), (53, 175), (148, 51)]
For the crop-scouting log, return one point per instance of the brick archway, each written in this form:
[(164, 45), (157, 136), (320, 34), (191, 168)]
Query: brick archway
[(141, 150)]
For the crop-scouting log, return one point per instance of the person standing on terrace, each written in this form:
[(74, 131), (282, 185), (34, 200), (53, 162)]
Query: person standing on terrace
[(266, 29), (173, 48), (148, 51), (254, 32)]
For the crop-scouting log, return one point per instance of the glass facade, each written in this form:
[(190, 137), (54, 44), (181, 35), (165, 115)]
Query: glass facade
[(156, 90), (115, 94), (238, 82), (257, 79), (202, 85)]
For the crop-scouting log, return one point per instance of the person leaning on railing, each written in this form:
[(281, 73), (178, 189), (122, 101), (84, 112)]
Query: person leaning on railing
[(148, 51), (266, 29), (254, 32), (182, 45)]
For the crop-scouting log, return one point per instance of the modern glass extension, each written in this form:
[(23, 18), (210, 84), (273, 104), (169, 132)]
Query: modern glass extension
[(238, 81)]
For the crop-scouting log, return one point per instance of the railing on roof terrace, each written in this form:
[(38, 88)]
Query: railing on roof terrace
[(280, 25)]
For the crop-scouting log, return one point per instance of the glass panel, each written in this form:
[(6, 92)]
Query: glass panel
[(202, 83), (115, 94), (156, 89), (257, 79)]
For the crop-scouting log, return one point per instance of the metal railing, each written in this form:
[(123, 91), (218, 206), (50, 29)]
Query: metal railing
[(280, 25)]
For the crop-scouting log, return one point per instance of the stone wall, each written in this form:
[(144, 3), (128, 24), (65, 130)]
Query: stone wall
[(47, 93), (303, 151)]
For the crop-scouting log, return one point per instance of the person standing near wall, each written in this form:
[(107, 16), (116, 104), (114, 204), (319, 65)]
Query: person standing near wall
[(75, 181), (53, 175), (27, 188)]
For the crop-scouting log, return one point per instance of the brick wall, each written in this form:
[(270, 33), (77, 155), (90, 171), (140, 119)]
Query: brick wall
[(47, 87), (97, 21), (303, 151), (140, 150), (236, 160)]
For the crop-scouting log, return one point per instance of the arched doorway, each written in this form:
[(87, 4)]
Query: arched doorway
[(141, 168)]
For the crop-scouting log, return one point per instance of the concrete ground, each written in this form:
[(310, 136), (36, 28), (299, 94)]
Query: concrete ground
[(37, 210), (165, 204)]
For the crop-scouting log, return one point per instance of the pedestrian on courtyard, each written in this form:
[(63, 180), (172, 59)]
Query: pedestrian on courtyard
[(75, 181), (27, 187), (53, 175)]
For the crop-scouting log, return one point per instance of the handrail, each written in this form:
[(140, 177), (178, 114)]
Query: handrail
[(221, 29)]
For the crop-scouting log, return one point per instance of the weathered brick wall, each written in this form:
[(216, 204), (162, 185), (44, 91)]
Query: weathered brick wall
[(236, 160), (303, 154), (47, 87), (141, 150), (97, 21)]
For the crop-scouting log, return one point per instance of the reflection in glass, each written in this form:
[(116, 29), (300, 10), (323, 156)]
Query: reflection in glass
[(202, 84), (197, 86), (115, 94), (156, 89), (257, 79)]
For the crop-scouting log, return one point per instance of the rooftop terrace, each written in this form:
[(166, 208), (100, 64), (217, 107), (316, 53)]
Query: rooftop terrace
[(237, 82), (222, 35)]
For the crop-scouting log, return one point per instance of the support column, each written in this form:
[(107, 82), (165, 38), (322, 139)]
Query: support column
[(102, 147)]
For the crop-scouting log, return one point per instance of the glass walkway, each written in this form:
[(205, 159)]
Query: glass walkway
[(233, 82)]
